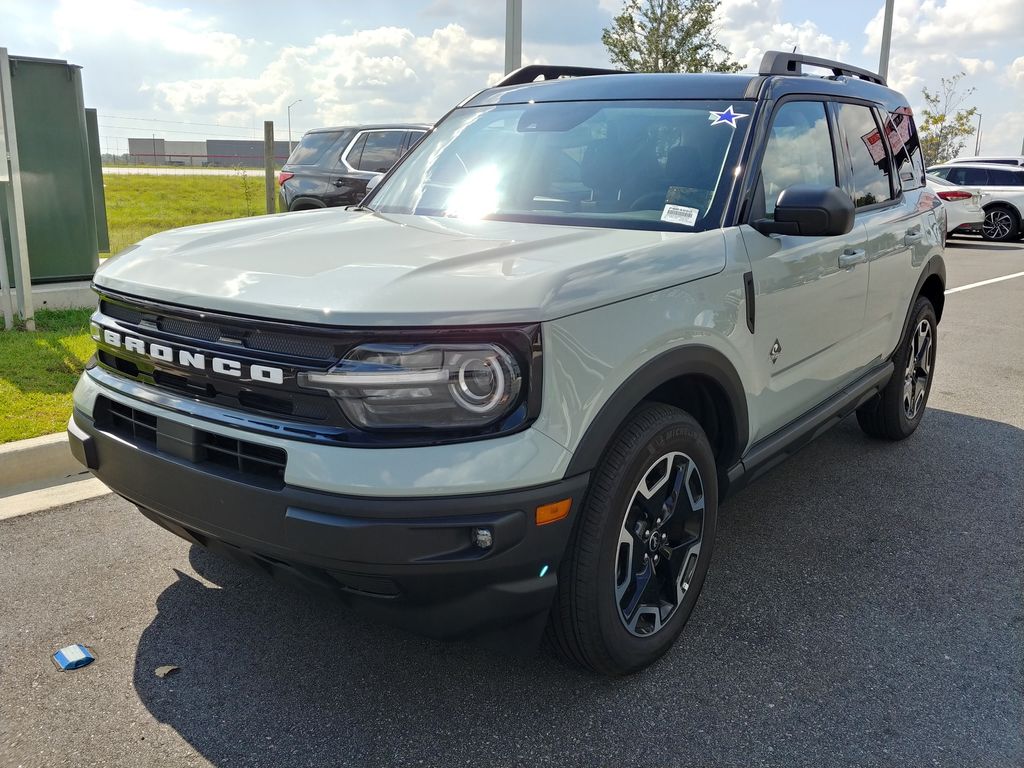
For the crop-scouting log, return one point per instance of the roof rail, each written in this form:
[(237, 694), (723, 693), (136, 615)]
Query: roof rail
[(782, 63), (531, 72)]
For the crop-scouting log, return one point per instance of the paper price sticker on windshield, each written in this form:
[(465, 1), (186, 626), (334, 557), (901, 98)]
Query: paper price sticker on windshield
[(680, 214)]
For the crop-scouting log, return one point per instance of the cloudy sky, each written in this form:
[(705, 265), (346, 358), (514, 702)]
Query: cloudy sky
[(221, 68)]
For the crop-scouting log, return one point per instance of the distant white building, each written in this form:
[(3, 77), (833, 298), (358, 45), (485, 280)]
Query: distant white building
[(154, 151)]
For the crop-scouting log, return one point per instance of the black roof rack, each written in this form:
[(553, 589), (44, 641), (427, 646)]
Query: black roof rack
[(531, 72), (782, 63)]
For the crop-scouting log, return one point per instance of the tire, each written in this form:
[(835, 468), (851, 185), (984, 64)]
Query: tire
[(1002, 224), (660, 451), (897, 410)]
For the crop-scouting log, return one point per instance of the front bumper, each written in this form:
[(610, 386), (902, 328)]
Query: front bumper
[(410, 561)]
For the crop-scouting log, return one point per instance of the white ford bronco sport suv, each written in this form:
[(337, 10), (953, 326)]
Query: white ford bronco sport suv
[(507, 393)]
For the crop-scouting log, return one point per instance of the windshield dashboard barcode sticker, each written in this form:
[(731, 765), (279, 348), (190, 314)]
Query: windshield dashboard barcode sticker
[(680, 214)]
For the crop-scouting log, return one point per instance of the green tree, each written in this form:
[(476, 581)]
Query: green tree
[(667, 36), (946, 122)]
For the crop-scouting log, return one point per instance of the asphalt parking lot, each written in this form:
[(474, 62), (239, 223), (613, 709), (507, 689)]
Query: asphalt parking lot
[(865, 607)]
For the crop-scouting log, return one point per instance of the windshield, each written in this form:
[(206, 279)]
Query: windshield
[(638, 165)]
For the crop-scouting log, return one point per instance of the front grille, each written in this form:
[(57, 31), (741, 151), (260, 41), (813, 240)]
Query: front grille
[(299, 346), (247, 342), (296, 344), (251, 462), (121, 312), (189, 329)]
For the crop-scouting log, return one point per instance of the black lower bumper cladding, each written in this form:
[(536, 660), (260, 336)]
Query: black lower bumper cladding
[(415, 562)]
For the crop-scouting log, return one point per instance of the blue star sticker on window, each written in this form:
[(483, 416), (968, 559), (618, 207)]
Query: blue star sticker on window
[(725, 116)]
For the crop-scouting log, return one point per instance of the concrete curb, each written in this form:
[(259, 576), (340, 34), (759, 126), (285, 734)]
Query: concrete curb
[(45, 460)]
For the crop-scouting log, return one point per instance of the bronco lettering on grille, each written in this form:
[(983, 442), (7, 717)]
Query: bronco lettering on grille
[(195, 360)]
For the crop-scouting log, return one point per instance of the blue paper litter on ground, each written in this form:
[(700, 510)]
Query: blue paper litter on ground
[(73, 657)]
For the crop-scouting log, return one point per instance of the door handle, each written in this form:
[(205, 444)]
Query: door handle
[(852, 257), (913, 235), (339, 182)]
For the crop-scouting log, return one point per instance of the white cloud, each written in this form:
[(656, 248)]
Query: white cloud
[(1015, 72), (174, 31), (931, 25), (387, 73), (751, 27)]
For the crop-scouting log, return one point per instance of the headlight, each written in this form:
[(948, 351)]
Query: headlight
[(435, 386)]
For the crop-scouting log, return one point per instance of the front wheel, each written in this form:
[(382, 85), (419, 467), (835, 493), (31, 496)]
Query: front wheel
[(641, 547), (897, 410)]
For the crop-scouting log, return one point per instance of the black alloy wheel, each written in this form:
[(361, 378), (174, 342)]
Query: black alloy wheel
[(1001, 224), (659, 543), (641, 545)]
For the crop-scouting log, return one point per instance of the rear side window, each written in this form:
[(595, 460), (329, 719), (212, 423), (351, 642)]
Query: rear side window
[(1007, 178), (969, 176), (312, 147), (377, 151), (906, 149), (799, 150), (868, 159)]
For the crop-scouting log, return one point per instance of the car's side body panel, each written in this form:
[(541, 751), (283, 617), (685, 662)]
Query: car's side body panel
[(589, 357)]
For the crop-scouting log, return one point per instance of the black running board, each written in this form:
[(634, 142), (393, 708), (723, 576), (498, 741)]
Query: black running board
[(779, 445)]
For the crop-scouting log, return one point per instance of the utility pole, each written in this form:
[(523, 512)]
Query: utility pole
[(513, 35), (883, 58), (290, 124), (977, 138)]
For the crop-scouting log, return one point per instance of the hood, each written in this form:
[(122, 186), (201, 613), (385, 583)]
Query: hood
[(342, 267)]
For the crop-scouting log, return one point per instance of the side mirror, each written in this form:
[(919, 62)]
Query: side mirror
[(809, 210), (371, 184)]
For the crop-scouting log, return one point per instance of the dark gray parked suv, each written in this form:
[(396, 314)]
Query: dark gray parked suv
[(331, 166)]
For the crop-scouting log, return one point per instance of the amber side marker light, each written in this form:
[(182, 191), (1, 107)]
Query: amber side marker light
[(551, 513)]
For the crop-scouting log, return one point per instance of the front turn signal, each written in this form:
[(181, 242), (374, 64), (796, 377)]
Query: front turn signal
[(551, 513)]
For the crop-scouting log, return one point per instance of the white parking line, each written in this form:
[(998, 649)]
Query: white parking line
[(983, 282)]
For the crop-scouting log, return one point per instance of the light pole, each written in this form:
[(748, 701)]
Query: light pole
[(883, 58), (513, 35), (977, 138), (290, 124)]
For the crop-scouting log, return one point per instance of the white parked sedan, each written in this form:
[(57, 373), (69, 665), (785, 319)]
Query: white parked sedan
[(962, 205)]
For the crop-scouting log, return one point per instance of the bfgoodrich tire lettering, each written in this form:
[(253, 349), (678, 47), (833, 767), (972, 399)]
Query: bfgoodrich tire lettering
[(897, 410), (654, 494)]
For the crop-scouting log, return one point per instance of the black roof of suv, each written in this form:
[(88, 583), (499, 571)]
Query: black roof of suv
[(779, 74)]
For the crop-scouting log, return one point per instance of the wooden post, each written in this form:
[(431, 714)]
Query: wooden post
[(268, 163)]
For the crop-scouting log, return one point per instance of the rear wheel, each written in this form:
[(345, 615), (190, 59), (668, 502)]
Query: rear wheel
[(1001, 224), (641, 547), (896, 411)]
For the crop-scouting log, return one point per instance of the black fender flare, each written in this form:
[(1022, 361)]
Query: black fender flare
[(936, 266), (312, 201), (696, 360)]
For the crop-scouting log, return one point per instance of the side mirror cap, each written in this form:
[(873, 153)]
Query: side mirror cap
[(810, 210), (372, 183)]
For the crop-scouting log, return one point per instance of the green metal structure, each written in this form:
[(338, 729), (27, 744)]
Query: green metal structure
[(60, 172)]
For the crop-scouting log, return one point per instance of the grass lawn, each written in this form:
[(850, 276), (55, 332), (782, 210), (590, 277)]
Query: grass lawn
[(38, 372), (142, 205)]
